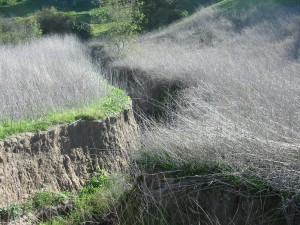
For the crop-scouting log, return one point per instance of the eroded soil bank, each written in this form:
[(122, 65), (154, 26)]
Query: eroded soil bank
[(65, 156)]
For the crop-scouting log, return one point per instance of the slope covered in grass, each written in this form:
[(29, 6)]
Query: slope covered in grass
[(51, 81), (242, 104), (25, 7), (241, 5)]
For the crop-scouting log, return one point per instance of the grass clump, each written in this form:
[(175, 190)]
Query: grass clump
[(96, 201), (40, 201), (10, 212), (46, 199), (51, 21), (223, 171)]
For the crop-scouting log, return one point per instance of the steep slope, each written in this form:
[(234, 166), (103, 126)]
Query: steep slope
[(64, 157), (240, 5), (241, 107)]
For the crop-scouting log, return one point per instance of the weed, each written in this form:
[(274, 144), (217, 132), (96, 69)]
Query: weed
[(45, 199), (97, 200), (10, 212)]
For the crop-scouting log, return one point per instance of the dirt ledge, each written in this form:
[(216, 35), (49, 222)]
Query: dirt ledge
[(64, 156)]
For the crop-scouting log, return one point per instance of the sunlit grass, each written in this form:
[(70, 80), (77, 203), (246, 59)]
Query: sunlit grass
[(99, 28), (97, 109)]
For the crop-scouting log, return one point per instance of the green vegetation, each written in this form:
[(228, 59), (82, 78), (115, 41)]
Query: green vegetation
[(164, 12), (22, 8), (46, 199), (114, 102), (228, 173), (40, 200), (68, 16), (15, 30), (96, 201), (51, 21), (124, 19), (11, 212), (116, 18)]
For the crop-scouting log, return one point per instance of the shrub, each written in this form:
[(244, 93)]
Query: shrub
[(9, 2), (15, 30), (124, 18), (97, 202), (51, 21)]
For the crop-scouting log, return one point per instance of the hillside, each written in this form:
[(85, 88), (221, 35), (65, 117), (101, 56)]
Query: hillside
[(238, 5), (239, 104), (156, 13), (224, 84), (215, 92)]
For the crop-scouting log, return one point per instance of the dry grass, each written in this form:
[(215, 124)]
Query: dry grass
[(45, 74), (243, 103)]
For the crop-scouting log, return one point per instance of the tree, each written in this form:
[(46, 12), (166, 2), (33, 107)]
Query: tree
[(124, 18)]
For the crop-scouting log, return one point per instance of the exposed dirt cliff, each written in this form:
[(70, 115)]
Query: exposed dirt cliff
[(65, 156)]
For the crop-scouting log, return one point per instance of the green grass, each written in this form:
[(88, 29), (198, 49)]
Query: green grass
[(25, 7), (229, 174), (82, 13), (114, 102), (99, 28), (95, 201), (41, 200)]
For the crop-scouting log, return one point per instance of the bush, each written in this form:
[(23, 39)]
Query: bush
[(14, 30), (51, 21), (9, 2), (124, 17)]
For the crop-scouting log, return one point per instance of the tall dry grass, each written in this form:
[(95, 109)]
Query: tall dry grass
[(242, 105), (53, 72)]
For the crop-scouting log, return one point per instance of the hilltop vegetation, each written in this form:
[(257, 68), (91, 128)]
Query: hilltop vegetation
[(91, 16)]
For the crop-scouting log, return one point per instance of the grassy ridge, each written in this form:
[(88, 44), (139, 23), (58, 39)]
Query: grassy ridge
[(114, 102), (238, 5)]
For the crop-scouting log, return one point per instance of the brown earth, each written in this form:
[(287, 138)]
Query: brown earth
[(65, 156)]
